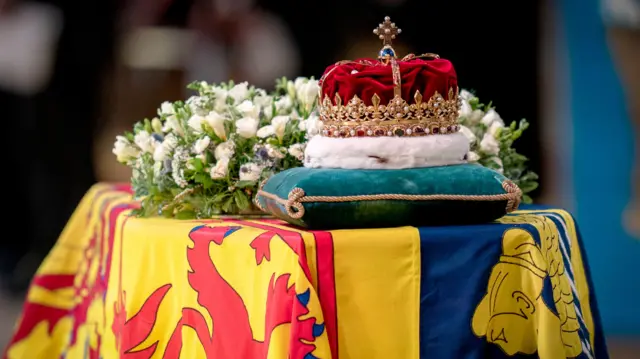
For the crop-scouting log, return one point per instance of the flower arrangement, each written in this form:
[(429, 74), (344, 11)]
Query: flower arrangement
[(491, 142), (206, 156)]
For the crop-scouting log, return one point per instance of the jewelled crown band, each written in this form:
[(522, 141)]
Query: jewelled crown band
[(417, 116)]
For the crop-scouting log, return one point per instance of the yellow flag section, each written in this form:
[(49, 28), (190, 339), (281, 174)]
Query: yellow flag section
[(378, 292), (63, 315), (117, 286)]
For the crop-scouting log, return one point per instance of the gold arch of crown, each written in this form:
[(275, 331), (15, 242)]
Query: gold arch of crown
[(436, 115)]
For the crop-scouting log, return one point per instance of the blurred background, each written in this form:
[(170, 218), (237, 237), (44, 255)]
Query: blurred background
[(73, 75)]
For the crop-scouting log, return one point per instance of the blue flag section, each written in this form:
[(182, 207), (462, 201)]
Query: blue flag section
[(520, 288)]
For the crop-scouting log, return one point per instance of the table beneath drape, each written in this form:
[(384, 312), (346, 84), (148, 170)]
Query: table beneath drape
[(118, 286)]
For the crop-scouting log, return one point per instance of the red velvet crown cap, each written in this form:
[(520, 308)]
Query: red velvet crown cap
[(366, 77)]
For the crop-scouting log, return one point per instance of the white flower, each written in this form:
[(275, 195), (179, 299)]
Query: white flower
[(157, 169), (172, 124), (266, 131), (291, 87), (297, 151), (248, 109), (490, 117), (167, 108), (123, 149), (274, 152), (277, 127), (262, 99), (465, 109), (475, 116), (250, 172), (197, 105), (307, 93), (220, 98), (221, 169), (495, 128), (144, 140), (239, 92), (196, 122), (247, 127), (302, 125), (180, 157), (313, 125), (468, 133), (489, 145), (279, 124), (283, 104), (216, 122), (225, 150), (201, 145), (156, 125), (466, 95), (162, 151), (472, 156)]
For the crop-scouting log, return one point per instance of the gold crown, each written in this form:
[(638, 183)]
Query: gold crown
[(354, 118)]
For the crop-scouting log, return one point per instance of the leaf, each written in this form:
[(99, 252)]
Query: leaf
[(197, 164), (241, 200), (527, 187), (186, 214), (227, 206), (526, 199), (245, 184)]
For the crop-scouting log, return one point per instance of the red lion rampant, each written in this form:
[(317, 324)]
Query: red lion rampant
[(232, 336)]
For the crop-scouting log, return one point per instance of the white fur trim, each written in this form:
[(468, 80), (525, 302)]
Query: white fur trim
[(386, 152)]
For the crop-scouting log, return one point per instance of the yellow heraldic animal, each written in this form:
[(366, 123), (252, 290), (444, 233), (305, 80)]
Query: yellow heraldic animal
[(513, 314)]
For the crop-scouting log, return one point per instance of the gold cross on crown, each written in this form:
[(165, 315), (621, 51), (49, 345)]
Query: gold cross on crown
[(387, 31)]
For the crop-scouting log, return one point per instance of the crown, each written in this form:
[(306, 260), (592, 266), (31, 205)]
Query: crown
[(413, 96)]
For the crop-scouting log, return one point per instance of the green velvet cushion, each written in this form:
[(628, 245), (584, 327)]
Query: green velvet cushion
[(338, 198)]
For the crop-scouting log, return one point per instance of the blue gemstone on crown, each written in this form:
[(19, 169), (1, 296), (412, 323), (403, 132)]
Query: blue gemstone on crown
[(387, 51)]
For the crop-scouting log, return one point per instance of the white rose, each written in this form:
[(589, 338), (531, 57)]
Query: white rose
[(314, 125), (495, 128), (144, 140), (490, 117), (247, 127), (468, 133), (266, 131), (216, 121), (248, 109), (489, 145), (156, 125), (250, 172), (239, 92), (220, 98), (224, 150), (196, 122), (472, 156), (201, 145), (123, 150), (167, 108), (465, 109), (220, 169), (162, 151), (297, 151), (307, 93)]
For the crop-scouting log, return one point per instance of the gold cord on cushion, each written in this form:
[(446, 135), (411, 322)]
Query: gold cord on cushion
[(295, 209)]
